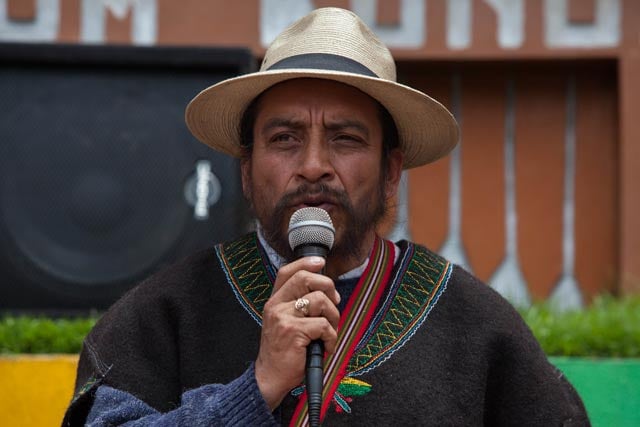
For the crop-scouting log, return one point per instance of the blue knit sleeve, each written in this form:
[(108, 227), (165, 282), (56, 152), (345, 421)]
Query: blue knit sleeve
[(238, 403)]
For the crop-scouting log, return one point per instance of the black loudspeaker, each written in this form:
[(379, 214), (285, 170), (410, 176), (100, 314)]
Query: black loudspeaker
[(101, 183)]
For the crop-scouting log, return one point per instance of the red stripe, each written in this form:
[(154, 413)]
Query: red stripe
[(363, 323), (365, 305)]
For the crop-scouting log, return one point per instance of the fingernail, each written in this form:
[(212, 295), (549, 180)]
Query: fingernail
[(316, 260), (338, 297)]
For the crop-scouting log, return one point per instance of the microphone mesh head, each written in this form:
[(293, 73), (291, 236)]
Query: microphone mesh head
[(311, 226)]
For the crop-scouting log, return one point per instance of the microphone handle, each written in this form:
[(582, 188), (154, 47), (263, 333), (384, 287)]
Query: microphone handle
[(314, 374), (315, 351)]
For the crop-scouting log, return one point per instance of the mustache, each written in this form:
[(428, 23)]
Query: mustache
[(318, 191), (357, 219), (278, 220)]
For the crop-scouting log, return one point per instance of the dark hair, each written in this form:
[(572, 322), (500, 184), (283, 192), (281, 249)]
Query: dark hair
[(246, 127), (390, 139)]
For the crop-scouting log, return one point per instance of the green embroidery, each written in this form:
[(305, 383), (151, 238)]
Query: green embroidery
[(247, 272), (412, 295), (347, 390), (350, 387), (91, 382), (416, 293)]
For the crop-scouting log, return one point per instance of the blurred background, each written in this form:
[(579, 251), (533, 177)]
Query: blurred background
[(101, 183), (99, 176)]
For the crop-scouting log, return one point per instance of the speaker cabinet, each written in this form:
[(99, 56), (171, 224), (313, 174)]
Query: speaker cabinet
[(101, 183)]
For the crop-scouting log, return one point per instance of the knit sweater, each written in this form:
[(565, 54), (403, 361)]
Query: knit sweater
[(178, 350)]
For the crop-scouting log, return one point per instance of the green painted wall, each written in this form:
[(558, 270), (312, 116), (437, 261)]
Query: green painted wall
[(35, 390), (610, 388)]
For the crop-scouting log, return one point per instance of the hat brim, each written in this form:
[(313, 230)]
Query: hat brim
[(427, 130)]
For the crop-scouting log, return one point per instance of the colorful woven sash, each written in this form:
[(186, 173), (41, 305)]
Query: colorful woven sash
[(353, 323), (412, 290)]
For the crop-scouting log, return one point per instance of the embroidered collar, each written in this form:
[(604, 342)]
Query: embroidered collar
[(418, 279), (278, 261)]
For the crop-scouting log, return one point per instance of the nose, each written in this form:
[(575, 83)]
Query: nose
[(315, 162)]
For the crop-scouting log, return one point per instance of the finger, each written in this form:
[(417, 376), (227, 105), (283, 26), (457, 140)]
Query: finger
[(315, 328), (318, 305), (286, 334), (303, 282), (313, 264)]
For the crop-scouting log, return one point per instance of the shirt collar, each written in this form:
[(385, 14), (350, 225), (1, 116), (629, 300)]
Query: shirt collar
[(278, 261)]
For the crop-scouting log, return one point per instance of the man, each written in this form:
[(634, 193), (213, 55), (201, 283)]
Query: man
[(221, 337)]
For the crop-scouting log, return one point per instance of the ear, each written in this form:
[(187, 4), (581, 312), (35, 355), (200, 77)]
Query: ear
[(394, 172), (245, 175)]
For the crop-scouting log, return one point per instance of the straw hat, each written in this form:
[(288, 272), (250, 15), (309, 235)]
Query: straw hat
[(332, 44)]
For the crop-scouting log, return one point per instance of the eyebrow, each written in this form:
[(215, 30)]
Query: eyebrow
[(334, 125), (340, 124), (282, 122)]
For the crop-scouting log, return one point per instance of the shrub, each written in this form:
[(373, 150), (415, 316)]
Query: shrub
[(42, 335), (609, 327)]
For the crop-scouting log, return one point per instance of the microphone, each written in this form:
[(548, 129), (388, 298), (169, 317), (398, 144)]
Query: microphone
[(311, 233)]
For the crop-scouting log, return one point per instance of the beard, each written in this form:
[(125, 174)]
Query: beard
[(357, 220)]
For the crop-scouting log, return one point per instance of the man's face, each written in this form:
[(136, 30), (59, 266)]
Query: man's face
[(319, 143)]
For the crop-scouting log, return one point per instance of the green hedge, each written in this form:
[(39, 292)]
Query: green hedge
[(42, 335), (610, 327)]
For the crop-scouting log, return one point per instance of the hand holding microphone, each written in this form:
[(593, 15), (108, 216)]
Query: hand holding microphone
[(311, 233), (287, 331)]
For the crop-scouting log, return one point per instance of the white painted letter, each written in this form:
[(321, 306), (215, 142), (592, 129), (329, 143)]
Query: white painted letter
[(276, 15), (44, 28), (604, 32), (411, 31), (510, 22), (144, 19), (459, 20)]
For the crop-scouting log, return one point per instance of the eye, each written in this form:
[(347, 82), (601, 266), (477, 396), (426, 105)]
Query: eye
[(349, 139), (284, 138)]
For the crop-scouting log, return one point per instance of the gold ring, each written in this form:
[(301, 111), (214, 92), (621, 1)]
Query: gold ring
[(302, 305)]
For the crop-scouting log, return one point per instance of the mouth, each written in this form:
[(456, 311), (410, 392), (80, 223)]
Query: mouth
[(327, 206), (317, 202)]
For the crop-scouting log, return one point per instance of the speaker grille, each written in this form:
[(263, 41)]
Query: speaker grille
[(93, 167)]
